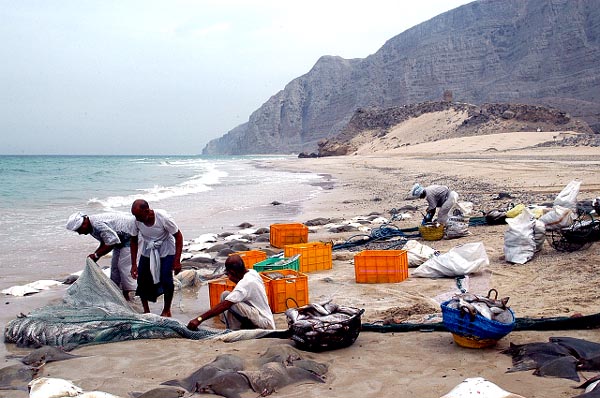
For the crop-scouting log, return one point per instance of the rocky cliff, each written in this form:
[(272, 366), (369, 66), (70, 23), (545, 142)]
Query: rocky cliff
[(544, 52)]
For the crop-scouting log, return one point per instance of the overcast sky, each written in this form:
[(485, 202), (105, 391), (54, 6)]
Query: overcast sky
[(165, 77)]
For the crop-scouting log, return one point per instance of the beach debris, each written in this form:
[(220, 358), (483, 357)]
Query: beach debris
[(276, 203), (94, 311), (561, 357), (479, 387), (473, 304), (245, 225), (16, 376), (503, 195)]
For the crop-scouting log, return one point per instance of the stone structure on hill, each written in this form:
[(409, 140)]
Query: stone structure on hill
[(541, 52)]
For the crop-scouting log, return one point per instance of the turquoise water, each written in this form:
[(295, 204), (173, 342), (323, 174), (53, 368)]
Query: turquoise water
[(37, 194)]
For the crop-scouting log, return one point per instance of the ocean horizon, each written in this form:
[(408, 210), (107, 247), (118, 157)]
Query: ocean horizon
[(204, 194)]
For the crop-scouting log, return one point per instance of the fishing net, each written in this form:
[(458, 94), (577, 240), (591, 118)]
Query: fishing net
[(94, 311)]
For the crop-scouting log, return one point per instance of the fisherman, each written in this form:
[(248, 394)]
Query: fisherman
[(162, 243), (246, 306), (436, 196), (113, 231)]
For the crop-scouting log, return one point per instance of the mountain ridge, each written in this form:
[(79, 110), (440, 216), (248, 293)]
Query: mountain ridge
[(541, 52)]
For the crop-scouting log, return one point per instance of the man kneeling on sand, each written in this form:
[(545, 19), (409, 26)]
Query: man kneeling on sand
[(247, 306)]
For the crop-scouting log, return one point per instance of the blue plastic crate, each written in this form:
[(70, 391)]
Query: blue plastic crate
[(481, 328), (278, 263)]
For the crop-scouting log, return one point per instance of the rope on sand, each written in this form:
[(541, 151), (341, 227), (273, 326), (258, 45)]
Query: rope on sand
[(553, 323)]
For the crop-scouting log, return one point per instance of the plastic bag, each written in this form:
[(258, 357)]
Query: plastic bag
[(460, 260), (519, 240), (515, 211), (568, 196), (417, 252)]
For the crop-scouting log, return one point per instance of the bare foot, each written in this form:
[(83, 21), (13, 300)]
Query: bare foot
[(166, 314)]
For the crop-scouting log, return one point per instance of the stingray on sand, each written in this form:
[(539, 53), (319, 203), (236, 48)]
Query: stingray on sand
[(560, 357), (280, 366)]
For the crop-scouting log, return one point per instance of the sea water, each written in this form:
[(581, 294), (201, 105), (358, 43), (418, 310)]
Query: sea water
[(38, 193)]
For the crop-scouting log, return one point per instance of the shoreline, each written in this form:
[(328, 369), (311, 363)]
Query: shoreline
[(382, 364)]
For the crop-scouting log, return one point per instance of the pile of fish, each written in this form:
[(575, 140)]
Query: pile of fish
[(492, 309), (320, 318)]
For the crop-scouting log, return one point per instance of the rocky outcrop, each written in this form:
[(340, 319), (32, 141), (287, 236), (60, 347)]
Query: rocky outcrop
[(543, 52), (484, 119)]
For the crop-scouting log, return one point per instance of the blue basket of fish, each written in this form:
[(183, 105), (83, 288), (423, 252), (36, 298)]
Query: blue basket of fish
[(473, 330)]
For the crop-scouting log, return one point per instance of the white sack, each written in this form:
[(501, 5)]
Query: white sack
[(568, 196), (519, 239), (479, 387), (460, 260), (457, 225), (417, 252), (539, 234), (557, 218)]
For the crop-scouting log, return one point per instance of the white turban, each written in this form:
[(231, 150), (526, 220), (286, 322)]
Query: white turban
[(75, 220), (417, 190)]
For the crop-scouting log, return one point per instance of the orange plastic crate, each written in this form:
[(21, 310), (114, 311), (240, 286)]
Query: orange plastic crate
[(216, 288), (314, 256), (251, 257), (287, 234), (381, 266), (289, 292)]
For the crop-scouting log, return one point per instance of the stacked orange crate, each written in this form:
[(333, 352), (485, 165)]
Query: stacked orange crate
[(314, 256), (288, 292), (287, 234), (251, 257), (381, 266)]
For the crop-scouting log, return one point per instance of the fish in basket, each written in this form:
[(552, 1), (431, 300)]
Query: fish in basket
[(477, 321), (321, 327)]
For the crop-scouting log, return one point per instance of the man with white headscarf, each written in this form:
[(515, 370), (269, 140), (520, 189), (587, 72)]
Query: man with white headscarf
[(436, 196), (160, 254), (113, 231)]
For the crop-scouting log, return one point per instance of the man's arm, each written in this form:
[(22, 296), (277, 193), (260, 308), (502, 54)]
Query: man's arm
[(216, 310), (102, 250), (133, 246), (178, 249)]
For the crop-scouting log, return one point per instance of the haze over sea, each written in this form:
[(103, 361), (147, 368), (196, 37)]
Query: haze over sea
[(38, 193)]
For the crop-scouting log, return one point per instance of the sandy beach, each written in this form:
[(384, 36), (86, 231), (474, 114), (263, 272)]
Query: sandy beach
[(413, 364)]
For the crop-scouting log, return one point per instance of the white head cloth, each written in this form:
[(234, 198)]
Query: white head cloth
[(416, 190), (75, 220)]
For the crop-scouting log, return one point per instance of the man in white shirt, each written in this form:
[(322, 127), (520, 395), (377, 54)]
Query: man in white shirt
[(113, 231), (160, 255), (247, 306)]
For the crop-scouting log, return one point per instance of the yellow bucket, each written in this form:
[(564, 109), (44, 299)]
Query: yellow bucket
[(471, 342)]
